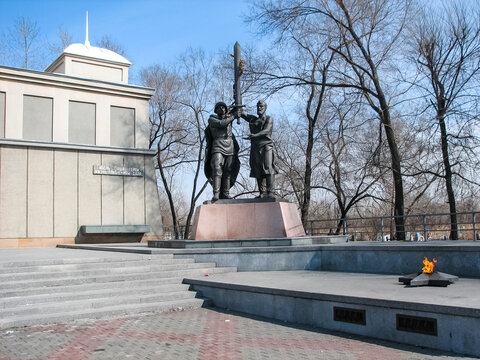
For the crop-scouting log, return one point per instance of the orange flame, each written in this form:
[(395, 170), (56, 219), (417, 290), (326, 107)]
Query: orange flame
[(428, 268)]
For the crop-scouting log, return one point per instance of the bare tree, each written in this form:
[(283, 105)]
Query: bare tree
[(367, 33), (22, 41), (354, 163), (197, 69), (306, 70), (167, 133), (61, 43), (447, 53), (110, 43), (178, 112)]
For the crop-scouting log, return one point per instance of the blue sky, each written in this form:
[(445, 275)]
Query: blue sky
[(150, 31)]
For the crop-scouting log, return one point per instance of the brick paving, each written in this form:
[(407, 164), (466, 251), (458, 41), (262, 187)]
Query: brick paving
[(203, 334)]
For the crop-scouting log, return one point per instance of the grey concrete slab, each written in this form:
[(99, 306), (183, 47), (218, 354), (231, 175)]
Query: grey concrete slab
[(462, 296)]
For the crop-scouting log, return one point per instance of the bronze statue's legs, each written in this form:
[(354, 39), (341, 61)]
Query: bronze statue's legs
[(225, 190), (217, 180), (261, 187), (270, 179), (221, 171), (217, 169), (227, 170)]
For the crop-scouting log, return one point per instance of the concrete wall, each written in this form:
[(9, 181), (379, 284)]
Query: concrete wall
[(62, 90), (261, 259), (90, 68), (460, 259), (47, 185), (51, 192)]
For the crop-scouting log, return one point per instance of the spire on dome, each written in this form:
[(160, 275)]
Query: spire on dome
[(87, 43)]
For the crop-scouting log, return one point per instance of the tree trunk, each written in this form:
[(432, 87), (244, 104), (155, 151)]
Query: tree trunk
[(399, 208), (341, 226), (448, 174), (384, 114), (307, 184), (169, 196)]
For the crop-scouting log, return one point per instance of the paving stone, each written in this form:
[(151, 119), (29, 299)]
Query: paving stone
[(202, 334)]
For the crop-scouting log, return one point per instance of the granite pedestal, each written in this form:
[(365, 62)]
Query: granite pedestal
[(246, 219)]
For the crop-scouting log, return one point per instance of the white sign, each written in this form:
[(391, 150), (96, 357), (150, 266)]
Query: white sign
[(116, 170)]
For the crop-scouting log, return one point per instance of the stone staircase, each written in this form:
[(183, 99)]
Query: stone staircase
[(44, 291)]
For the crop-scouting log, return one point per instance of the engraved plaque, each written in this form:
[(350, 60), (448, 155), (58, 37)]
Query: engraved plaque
[(116, 170)]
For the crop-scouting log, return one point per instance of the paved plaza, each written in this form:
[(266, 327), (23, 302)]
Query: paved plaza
[(197, 334)]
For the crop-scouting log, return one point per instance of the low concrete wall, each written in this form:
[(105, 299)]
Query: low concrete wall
[(456, 258), (459, 259), (261, 259)]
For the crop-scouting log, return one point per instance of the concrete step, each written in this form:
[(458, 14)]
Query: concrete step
[(81, 288), (69, 280), (116, 310), (73, 293), (140, 268), (41, 291), (76, 305), (82, 260), (92, 265)]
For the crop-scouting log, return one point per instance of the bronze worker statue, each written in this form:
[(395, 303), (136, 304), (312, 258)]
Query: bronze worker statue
[(221, 157), (262, 159)]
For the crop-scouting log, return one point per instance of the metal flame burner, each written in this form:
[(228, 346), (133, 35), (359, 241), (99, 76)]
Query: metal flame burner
[(421, 278)]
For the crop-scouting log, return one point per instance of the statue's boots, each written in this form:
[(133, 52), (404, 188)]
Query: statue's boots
[(261, 188), (270, 179), (216, 187), (225, 194)]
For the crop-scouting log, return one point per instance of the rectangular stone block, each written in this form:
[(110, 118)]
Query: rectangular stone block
[(246, 220), (13, 192), (112, 192), (89, 190), (152, 208), (134, 190), (81, 123), (122, 126), (37, 118), (40, 193), (65, 194)]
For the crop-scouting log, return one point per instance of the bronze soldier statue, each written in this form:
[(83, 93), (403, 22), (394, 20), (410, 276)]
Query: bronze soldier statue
[(221, 157), (262, 161)]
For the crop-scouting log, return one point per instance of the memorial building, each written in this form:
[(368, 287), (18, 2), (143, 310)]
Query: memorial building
[(74, 151)]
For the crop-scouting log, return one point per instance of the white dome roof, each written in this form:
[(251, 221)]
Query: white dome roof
[(95, 52)]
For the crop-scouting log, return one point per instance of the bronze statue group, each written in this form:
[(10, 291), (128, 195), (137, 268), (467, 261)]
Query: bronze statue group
[(221, 161)]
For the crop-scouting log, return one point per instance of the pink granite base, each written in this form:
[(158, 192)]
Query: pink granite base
[(246, 221)]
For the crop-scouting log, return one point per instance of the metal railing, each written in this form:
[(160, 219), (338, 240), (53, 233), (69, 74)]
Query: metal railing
[(169, 232), (421, 227)]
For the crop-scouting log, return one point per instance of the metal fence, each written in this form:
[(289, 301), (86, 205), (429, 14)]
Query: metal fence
[(422, 227), (169, 232)]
